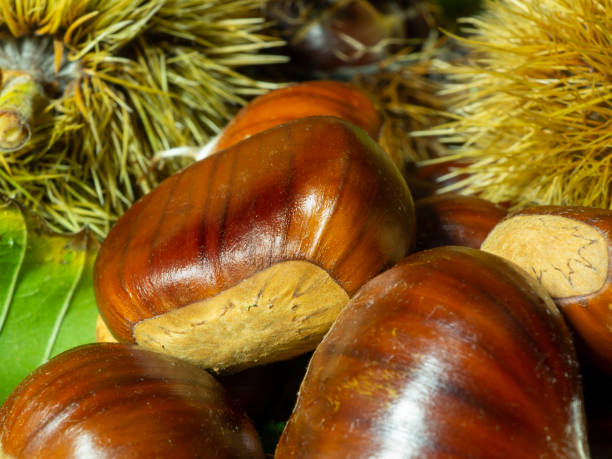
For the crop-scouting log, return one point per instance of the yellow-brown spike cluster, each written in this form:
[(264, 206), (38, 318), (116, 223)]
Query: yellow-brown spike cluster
[(91, 89), (406, 95), (532, 105)]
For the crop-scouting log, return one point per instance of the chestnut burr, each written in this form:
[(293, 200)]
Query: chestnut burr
[(116, 400), (247, 256), (453, 352), (567, 250)]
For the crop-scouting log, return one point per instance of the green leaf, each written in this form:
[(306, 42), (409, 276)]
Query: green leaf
[(270, 432), (12, 250), (46, 294)]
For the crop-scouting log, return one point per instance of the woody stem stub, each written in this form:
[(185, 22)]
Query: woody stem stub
[(18, 97)]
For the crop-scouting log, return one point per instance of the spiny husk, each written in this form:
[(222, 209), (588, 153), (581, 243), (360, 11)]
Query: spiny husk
[(406, 90), (532, 106), (152, 74)]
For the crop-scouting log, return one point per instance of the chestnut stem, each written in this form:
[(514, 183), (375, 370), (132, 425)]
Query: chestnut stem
[(18, 97)]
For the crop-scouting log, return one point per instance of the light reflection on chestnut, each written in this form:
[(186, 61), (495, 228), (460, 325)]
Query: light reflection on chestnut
[(247, 256), (116, 400), (453, 352)]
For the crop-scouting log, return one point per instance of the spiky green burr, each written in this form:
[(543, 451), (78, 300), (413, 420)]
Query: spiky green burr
[(92, 89)]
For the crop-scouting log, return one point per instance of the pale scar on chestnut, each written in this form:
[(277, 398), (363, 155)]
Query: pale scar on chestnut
[(568, 257), (210, 333)]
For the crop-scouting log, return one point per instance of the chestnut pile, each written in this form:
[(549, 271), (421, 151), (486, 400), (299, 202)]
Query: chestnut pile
[(437, 328)]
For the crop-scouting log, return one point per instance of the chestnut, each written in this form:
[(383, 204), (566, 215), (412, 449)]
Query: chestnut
[(116, 400), (346, 36), (568, 251), (310, 98), (453, 219), (454, 352), (247, 256)]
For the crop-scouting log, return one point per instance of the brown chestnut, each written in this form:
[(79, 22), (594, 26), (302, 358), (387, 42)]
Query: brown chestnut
[(116, 400), (568, 251), (247, 256), (452, 219), (311, 98), (454, 352), (342, 35)]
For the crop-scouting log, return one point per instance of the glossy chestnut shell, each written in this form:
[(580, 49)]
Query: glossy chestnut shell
[(454, 352), (316, 193), (569, 251), (116, 400), (452, 219), (311, 98)]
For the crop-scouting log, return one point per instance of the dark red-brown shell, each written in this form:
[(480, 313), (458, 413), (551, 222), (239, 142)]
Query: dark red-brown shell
[(335, 36), (589, 314), (452, 353), (452, 219), (119, 401), (316, 189)]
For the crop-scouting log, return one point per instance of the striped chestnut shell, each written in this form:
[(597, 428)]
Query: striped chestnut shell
[(311, 98), (568, 250), (454, 352), (453, 219), (119, 401), (247, 256)]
